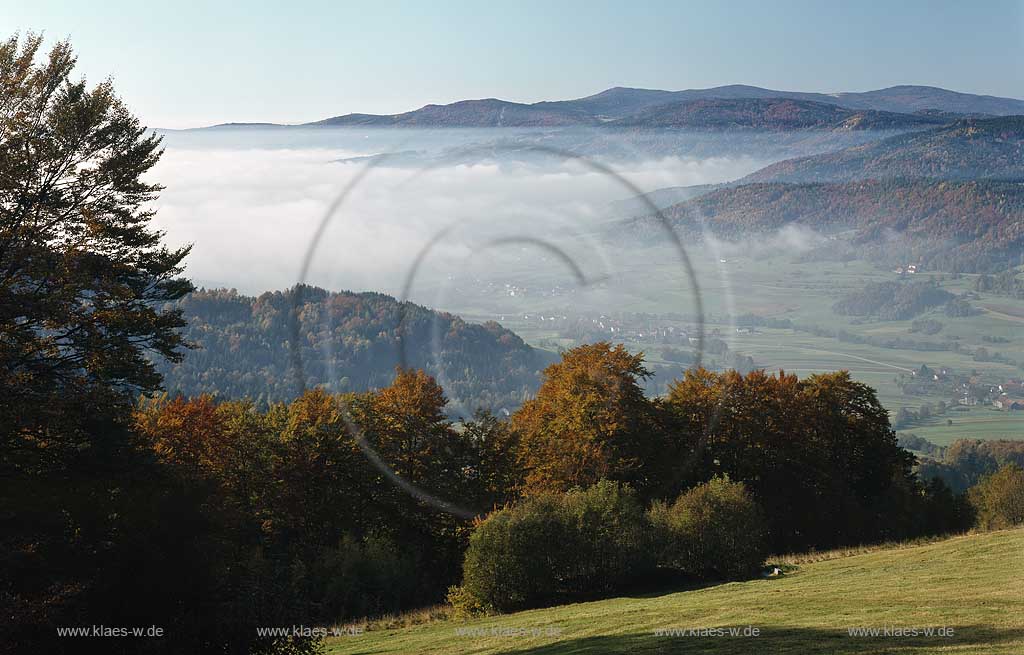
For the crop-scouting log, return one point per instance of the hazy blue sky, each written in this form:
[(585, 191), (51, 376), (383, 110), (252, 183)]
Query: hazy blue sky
[(182, 64)]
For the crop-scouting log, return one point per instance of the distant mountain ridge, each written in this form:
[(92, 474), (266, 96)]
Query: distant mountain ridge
[(489, 112), (621, 102), (771, 114), (906, 99)]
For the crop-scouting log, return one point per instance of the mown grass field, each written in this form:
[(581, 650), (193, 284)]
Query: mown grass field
[(973, 584)]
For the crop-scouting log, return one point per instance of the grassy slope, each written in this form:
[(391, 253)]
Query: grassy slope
[(972, 583)]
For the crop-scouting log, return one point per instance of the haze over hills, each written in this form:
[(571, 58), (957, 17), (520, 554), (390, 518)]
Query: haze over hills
[(972, 226), (910, 98), (620, 102), (452, 362), (967, 149), (955, 191)]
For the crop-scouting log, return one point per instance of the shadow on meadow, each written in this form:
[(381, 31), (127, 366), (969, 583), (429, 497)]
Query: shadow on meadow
[(780, 640)]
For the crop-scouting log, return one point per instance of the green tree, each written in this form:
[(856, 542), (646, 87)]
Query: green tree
[(83, 275), (554, 547), (715, 530), (495, 468), (998, 499), (818, 453)]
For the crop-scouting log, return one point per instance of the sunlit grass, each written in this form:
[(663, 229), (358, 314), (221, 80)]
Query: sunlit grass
[(970, 583)]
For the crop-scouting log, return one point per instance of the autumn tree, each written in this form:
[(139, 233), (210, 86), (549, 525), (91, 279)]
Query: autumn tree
[(590, 421), (228, 448), (406, 424), (423, 470), (998, 499), (861, 465), (187, 433), (83, 274), (737, 424), (326, 484), (818, 453)]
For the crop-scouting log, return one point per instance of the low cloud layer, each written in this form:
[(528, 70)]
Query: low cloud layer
[(251, 212), (791, 239)]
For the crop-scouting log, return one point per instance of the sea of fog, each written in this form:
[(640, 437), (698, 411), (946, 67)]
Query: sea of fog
[(402, 207)]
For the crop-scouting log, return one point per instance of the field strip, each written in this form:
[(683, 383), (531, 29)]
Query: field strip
[(842, 354), (1005, 317)]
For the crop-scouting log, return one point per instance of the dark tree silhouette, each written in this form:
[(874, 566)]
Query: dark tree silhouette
[(83, 274)]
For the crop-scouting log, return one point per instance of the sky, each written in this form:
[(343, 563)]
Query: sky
[(188, 64)]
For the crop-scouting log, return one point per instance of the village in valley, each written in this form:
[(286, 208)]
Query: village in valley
[(947, 372), (968, 389)]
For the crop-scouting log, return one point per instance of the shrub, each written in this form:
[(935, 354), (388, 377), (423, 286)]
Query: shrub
[(998, 500), (360, 578), (515, 555), (551, 547), (926, 325), (713, 531), (942, 511), (611, 537), (464, 603)]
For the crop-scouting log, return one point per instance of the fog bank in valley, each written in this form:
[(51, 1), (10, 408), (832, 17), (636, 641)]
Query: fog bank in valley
[(250, 203)]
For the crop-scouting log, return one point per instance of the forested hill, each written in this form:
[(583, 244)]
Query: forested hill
[(958, 226), (967, 149), (489, 112), (620, 101), (771, 114), (350, 342)]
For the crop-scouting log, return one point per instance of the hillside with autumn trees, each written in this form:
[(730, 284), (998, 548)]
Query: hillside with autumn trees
[(948, 197), (970, 226), (967, 149), (349, 342)]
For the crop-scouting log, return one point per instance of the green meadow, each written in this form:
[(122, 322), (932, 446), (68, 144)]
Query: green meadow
[(810, 609)]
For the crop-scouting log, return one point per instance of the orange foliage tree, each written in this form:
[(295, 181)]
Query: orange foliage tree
[(589, 421)]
